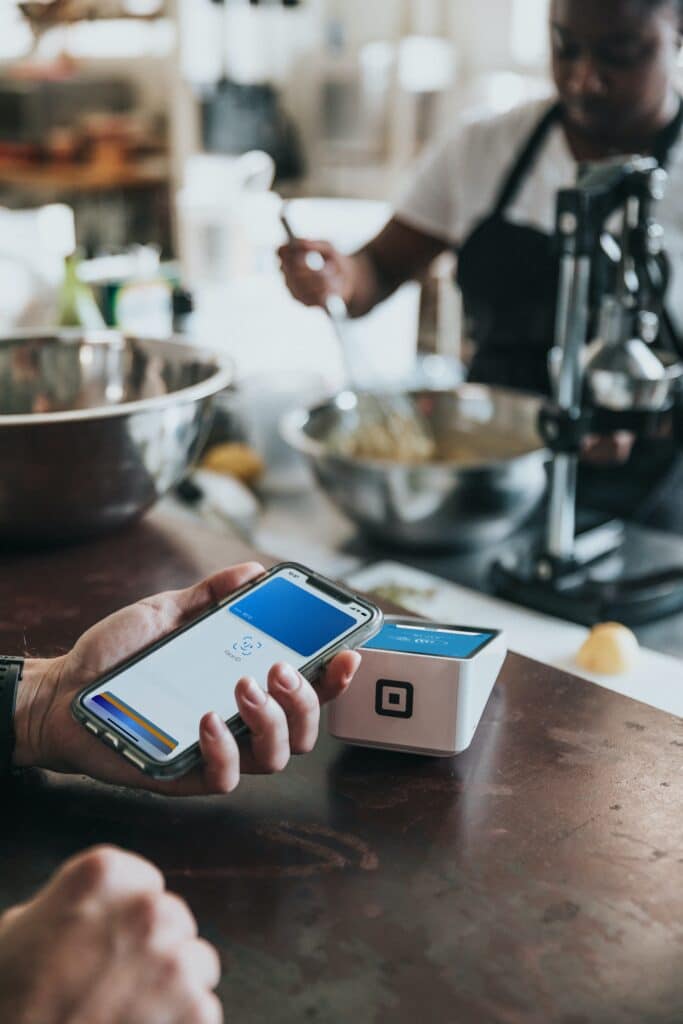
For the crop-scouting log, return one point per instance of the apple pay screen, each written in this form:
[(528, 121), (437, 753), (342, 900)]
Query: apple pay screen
[(158, 702)]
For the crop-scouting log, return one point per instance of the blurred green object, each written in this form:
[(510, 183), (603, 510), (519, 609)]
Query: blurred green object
[(77, 305), (109, 276)]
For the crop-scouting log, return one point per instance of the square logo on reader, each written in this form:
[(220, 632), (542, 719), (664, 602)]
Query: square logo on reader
[(394, 699)]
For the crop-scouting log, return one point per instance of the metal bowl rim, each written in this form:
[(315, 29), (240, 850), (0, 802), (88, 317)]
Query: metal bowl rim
[(221, 377), (293, 422)]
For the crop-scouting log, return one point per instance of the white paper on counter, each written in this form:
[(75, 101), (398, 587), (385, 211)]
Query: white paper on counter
[(657, 679)]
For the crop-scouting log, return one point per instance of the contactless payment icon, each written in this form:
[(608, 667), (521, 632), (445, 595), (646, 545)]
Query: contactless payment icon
[(394, 699)]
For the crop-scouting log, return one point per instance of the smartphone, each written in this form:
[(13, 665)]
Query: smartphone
[(148, 708)]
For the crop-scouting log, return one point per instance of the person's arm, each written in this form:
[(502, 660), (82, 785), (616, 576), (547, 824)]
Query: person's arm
[(128, 952), (281, 722), (427, 221), (399, 253), (105, 943)]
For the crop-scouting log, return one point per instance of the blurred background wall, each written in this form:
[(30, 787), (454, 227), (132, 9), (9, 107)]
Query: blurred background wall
[(102, 102)]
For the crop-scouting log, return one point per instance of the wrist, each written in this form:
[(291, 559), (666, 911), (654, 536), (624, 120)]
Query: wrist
[(33, 699), (361, 288), (347, 278)]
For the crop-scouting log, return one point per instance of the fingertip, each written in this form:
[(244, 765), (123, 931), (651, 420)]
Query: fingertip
[(220, 772), (250, 569), (284, 677), (212, 726), (339, 676), (250, 693), (347, 664), (355, 662), (216, 587)]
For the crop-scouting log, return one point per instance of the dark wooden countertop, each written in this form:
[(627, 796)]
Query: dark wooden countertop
[(537, 878)]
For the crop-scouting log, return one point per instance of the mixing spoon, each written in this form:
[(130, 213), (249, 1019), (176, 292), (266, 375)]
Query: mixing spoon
[(394, 413)]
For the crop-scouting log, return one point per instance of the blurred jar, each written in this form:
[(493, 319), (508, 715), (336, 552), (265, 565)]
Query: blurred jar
[(228, 217), (33, 247)]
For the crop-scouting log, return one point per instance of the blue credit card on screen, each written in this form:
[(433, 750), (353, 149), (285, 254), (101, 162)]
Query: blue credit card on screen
[(441, 642), (292, 616)]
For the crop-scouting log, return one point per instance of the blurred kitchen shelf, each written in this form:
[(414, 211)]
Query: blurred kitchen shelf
[(79, 177), (43, 15)]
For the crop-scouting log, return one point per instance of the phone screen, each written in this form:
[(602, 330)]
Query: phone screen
[(157, 702), (440, 642)]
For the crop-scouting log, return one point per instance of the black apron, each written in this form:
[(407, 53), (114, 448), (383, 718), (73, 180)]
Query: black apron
[(509, 278)]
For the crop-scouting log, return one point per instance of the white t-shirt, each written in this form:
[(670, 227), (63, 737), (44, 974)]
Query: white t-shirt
[(458, 181)]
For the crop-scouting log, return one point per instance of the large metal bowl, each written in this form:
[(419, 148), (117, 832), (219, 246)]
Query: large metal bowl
[(442, 503), (94, 427)]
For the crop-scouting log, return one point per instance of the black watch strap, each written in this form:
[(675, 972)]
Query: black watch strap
[(11, 670)]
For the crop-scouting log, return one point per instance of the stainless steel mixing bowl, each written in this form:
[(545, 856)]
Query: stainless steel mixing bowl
[(442, 503), (95, 426)]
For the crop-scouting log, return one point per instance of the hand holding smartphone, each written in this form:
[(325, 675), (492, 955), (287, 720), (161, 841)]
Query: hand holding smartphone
[(149, 708)]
